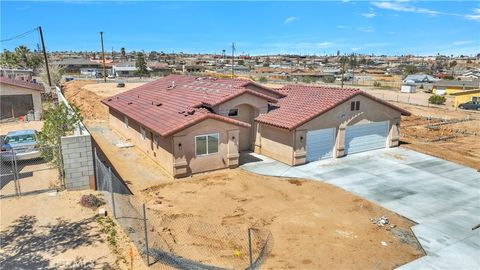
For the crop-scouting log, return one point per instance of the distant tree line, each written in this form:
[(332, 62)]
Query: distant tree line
[(21, 57)]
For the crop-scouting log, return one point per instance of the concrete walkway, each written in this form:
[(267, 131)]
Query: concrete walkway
[(441, 196)]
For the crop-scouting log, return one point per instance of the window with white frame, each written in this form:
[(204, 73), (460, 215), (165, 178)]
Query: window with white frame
[(125, 120), (206, 144), (142, 133)]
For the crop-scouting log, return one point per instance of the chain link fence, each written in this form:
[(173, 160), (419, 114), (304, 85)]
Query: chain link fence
[(30, 169), (177, 241)]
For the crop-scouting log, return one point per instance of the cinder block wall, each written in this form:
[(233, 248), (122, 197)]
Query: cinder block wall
[(78, 162)]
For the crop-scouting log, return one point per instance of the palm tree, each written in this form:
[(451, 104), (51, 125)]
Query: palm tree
[(123, 53), (21, 53)]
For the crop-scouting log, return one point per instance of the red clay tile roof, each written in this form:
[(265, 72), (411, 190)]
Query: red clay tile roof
[(303, 103), (23, 84), (175, 102)]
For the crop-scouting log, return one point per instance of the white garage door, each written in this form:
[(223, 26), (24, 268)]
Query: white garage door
[(360, 138), (320, 144)]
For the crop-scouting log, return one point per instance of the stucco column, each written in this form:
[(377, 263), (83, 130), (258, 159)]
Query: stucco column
[(232, 150), (300, 152), (180, 164), (340, 142), (258, 138)]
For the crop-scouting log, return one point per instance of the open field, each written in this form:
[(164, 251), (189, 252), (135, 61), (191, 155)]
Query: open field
[(451, 135)]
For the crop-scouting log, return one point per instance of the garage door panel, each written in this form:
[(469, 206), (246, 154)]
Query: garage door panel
[(366, 137), (320, 144)]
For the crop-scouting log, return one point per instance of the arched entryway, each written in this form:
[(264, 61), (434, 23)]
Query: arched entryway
[(247, 114)]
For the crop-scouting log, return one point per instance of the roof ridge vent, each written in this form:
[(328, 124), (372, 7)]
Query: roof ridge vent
[(172, 85)]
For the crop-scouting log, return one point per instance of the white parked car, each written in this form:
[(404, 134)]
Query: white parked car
[(24, 145)]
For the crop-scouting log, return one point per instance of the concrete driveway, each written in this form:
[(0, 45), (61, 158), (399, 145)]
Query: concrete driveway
[(441, 196)]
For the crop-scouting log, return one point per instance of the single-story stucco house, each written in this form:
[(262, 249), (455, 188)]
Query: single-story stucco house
[(195, 124), (19, 98)]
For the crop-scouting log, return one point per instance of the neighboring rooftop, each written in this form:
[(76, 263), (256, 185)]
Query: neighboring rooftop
[(466, 84), (23, 84)]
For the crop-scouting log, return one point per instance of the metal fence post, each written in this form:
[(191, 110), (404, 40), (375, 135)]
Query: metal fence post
[(111, 191), (61, 166), (250, 247), (146, 234), (14, 173), (15, 169), (95, 167)]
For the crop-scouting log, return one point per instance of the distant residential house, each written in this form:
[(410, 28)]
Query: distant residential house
[(78, 65), (470, 75), (447, 87), (19, 98), (126, 71), (17, 74), (466, 96), (419, 78)]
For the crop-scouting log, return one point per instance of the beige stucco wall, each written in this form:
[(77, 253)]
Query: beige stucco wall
[(249, 107), (6, 89), (276, 143), (161, 153), (289, 146), (184, 148)]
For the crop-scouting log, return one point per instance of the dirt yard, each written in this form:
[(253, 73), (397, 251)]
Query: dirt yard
[(449, 134), (44, 231), (88, 94), (314, 225)]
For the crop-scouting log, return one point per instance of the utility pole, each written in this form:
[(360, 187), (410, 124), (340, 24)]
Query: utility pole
[(233, 60), (103, 59), (45, 56), (343, 72), (354, 61)]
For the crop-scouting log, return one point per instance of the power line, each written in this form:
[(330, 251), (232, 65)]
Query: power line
[(20, 35)]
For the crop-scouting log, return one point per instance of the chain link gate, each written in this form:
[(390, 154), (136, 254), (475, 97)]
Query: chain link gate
[(31, 172)]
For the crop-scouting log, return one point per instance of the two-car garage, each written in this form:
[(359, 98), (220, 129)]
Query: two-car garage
[(358, 138)]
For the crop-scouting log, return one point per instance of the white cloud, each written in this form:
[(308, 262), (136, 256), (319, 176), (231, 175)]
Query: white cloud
[(397, 6), (369, 14), (402, 7), (366, 29), (463, 42), (290, 20), (341, 26), (324, 44), (390, 32), (475, 16)]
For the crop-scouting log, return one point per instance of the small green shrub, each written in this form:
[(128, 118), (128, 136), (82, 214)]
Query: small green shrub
[(377, 84), (437, 100), (328, 79), (263, 80)]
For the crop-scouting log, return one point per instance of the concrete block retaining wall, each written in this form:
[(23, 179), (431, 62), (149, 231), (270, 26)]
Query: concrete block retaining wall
[(77, 156), (78, 161)]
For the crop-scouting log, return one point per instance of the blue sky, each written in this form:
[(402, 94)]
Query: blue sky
[(380, 27)]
